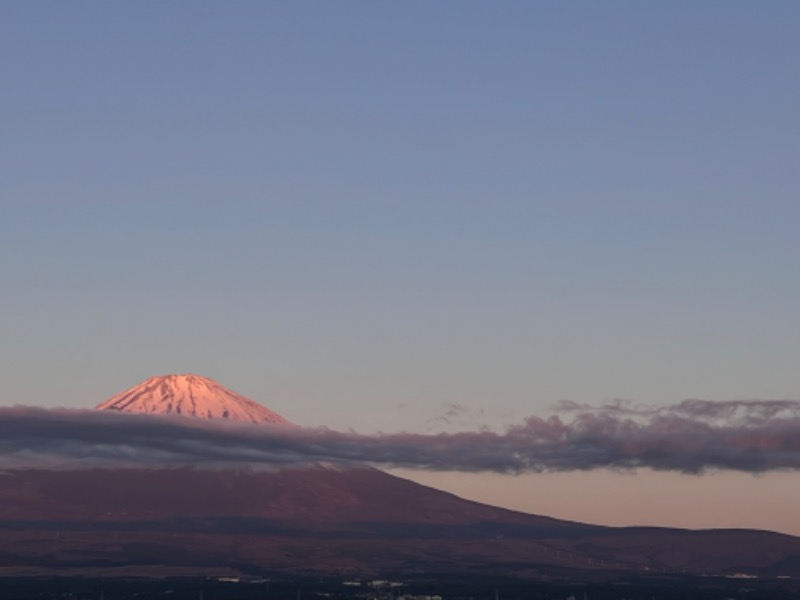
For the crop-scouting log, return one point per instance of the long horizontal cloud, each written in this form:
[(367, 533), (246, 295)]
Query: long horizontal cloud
[(692, 436)]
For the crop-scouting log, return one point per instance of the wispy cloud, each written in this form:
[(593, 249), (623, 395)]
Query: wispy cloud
[(456, 415), (691, 437)]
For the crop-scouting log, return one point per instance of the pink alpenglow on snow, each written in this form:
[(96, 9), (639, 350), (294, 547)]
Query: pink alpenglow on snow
[(193, 396)]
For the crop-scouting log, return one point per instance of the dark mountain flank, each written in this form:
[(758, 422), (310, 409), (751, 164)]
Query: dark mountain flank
[(329, 520)]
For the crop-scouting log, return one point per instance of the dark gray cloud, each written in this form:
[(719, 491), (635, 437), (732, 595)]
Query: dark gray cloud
[(691, 436)]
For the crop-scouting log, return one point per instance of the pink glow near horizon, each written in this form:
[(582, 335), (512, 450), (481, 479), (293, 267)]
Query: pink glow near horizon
[(714, 500)]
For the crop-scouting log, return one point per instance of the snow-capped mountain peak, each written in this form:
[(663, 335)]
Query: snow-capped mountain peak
[(190, 395)]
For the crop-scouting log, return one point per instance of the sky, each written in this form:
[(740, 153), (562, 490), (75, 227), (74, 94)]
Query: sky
[(412, 217)]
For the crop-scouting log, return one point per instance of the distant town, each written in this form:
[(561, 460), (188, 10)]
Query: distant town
[(444, 588)]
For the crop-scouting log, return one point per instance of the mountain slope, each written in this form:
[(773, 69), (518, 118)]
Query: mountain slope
[(329, 520), (306, 496)]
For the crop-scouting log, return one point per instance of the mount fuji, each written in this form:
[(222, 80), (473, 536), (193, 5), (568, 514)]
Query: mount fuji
[(190, 395), (321, 519)]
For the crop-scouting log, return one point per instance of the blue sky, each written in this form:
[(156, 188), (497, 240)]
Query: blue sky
[(359, 213)]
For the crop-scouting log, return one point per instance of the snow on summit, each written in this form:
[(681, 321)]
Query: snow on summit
[(190, 395)]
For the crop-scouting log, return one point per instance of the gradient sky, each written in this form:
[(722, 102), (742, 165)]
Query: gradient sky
[(412, 216)]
